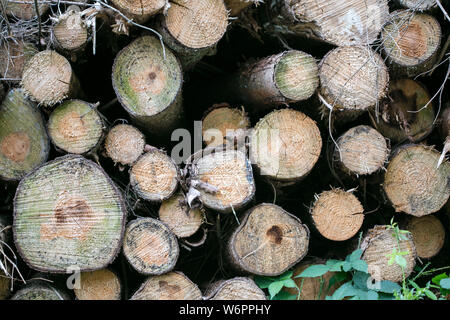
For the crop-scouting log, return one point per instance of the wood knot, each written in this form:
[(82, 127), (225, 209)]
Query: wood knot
[(275, 234)]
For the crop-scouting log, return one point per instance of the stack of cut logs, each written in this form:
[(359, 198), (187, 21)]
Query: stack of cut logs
[(336, 123)]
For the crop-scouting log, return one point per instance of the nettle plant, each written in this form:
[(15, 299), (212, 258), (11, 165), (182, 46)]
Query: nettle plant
[(357, 283)]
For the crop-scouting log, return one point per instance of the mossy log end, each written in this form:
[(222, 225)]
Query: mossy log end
[(428, 235), (24, 143), (192, 28), (229, 176), (377, 244), (222, 125), (124, 144), (361, 150), (48, 78), (68, 213), (339, 22), (413, 182), (238, 288), (284, 146), (181, 220), (148, 85), (98, 285), (13, 57), (170, 286), (338, 215), (40, 291), (268, 241), (411, 42), (402, 114), (154, 176), (150, 247), (75, 127), (280, 79)]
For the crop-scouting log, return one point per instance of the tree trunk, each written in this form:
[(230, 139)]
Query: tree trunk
[(223, 179), (224, 125), (238, 288), (154, 176), (68, 206), (48, 78), (181, 220), (378, 244), (280, 79), (24, 143), (139, 11), (124, 144), (352, 80), (340, 22), (284, 146), (148, 85), (13, 57), (171, 286), (403, 115), (337, 215), (98, 285), (192, 28), (361, 151), (150, 247), (428, 235), (76, 127), (268, 241), (411, 42), (413, 182)]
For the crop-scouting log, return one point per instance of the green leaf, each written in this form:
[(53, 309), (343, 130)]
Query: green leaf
[(283, 295), (289, 283), (360, 280), (346, 290), (275, 287), (262, 282), (314, 271), (430, 294), (336, 278), (346, 266), (359, 265), (437, 279), (286, 275), (354, 256), (400, 261), (385, 286), (334, 265), (445, 283), (371, 295)]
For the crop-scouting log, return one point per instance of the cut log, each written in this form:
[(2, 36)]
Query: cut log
[(223, 124), (192, 28), (403, 113), (98, 285), (378, 244), (312, 288), (150, 247), (418, 5), (280, 79), (352, 80), (338, 215), (75, 127), (361, 150), (70, 32), (340, 22), (154, 176), (181, 220), (40, 290), (238, 288), (411, 42), (171, 286), (124, 144), (235, 7), (148, 85), (24, 143), (67, 206), (224, 179), (284, 146), (268, 241), (25, 10), (139, 11), (413, 182), (428, 235), (48, 78), (13, 57)]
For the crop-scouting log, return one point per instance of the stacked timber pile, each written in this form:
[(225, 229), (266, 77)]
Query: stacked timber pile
[(196, 149)]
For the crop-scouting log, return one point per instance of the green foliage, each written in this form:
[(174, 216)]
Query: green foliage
[(275, 284)]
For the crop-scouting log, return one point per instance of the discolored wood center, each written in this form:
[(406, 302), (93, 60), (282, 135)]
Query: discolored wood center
[(151, 79), (412, 40), (72, 126), (275, 234), (16, 146)]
